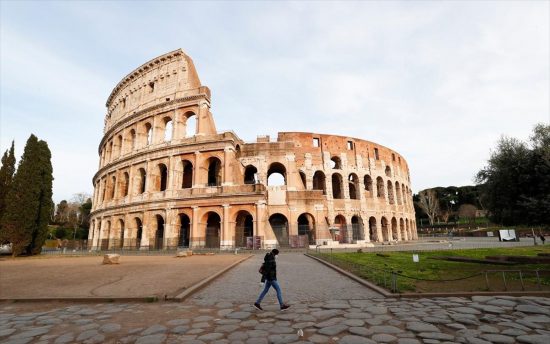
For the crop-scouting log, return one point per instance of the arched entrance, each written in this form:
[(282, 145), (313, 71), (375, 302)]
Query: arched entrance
[(373, 233), (185, 225), (342, 235), (120, 244), (244, 230), (385, 229), (139, 228), (159, 233), (306, 227), (357, 228), (279, 225), (214, 172), (402, 229), (394, 234), (213, 226)]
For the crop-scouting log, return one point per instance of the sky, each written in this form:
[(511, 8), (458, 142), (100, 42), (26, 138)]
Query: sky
[(438, 81)]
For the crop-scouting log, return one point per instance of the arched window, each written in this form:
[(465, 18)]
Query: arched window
[(168, 129), (139, 232), (185, 229), (353, 184), (388, 171), (368, 183), (187, 179), (250, 174), (119, 146), (398, 193), (126, 184), (279, 225), (142, 179), (149, 133), (342, 235), (276, 174), (121, 234), (190, 124), (163, 176), (337, 186), (357, 228), (390, 193), (110, 152), (214, 172), (133, 139), (113, 187), (159, 234), (380, 192), (303, 178), (319, 181), (394, 229), (336, 163), (385, 229)]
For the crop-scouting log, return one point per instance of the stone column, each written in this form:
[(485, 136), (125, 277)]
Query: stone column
[(226, 240), (170, 229), (145, 231), (227, 175), (259, 228), (194, 240), (196, 169), (171, 174), (379, 230)]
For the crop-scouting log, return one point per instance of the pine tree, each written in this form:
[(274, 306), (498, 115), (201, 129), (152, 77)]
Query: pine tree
[(29, 200), (6, 177)]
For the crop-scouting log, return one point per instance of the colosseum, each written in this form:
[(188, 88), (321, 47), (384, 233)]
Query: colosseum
[(168, 179)]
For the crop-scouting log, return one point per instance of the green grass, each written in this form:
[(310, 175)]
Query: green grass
[(427, 275)]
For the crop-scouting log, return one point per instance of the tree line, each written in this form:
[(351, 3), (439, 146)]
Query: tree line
[(513, 188)]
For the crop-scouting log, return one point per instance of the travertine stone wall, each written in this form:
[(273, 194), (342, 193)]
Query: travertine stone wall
[(168, 179)]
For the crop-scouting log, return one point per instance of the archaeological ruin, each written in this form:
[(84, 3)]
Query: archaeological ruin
[(168, 179)]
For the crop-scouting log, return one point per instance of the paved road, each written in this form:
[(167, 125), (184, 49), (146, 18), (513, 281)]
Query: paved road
[(302, 279)]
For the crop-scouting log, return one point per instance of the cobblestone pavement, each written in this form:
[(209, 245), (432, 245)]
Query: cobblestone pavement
[(322, 319)]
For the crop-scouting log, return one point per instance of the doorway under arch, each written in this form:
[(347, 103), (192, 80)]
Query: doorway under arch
[(213, 227), (279, 225), (358, 232), (184, 232), (159, 233), (244, 230), (373, 233), (306, 227)]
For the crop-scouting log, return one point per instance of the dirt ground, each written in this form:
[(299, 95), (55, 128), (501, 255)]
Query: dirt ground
[(135, 276)]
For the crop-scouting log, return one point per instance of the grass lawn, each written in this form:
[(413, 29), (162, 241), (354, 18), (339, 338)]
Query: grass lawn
[(431, 275)]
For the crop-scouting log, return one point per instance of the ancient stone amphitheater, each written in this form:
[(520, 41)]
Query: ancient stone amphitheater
[(167, 178)]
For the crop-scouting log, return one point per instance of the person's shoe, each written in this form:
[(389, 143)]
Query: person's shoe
[(284, 307), (258, 307)]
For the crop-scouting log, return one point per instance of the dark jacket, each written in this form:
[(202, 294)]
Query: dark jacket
[(270, 267)]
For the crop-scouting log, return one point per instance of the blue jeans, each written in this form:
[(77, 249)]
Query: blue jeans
[(275, 286)]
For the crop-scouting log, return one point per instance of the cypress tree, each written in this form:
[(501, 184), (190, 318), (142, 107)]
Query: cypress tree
[(6, 177), (29, 200)]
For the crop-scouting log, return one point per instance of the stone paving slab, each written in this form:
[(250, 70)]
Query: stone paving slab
[(86, 277)]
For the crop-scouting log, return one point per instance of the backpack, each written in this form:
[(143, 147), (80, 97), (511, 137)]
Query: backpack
[(262, 269)]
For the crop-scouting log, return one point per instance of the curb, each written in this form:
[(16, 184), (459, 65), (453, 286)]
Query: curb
[(385, 293), (145, 299), (196, 287)]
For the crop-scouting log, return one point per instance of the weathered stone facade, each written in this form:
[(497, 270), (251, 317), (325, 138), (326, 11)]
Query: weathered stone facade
[(165, 181)]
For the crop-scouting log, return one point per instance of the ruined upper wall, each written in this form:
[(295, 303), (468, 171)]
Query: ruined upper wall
[(164, 78)]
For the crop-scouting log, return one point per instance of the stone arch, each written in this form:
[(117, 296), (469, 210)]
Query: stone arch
[(319, 181), (244, 229), (303, 179), (274, 173), (250, 174), (214, 171), (306, 227), (187, 174), (390, 193), (358, 232), (337, 192), (184, 230), (353, 184), (367, 180), (190, 124), (139, 232), (341, 224), (279, 225), (168, 128), (125, 184), (212, 230), (142, 178), (162, 178), (118, 146), (110, 151), (380, 192), (132, 137), (402, 229), (120, 237), (373, 231), (148, 130), (387, 171), (398, 193), (385, 229), (394, 233), (336, 163), (113, 187)]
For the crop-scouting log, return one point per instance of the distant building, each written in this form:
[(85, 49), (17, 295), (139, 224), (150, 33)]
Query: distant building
[(167, 178)]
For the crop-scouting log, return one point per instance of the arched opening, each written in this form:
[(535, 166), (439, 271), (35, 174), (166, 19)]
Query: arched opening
[(168, 129), (244, 230), (125, 184), (132, 140), (214, 172), (187, 178), (163, 177), (250, 176), (336, 163), (353, 184), (402, 229), (159, 233), (388, 171), (279, 225), (113, 187), (373, 232), (404, 195), (139, 232), (398, 193), (342, 234), (337, 186), (357, 228), (106, 237), (390, 193), (394, 234), (142, 179), (190, 124), (213, 225), (306, 227), (110, 152), (368, 183), (385, 229), (184, 231), (303, 178), (149, 133), (276, 174), (121, 234), (380, 192), (319, 181), (119, 146)]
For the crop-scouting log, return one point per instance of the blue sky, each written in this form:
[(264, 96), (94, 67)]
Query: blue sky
[(439, 82)]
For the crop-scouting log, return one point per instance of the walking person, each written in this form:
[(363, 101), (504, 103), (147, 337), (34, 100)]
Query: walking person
[(269, 272)]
